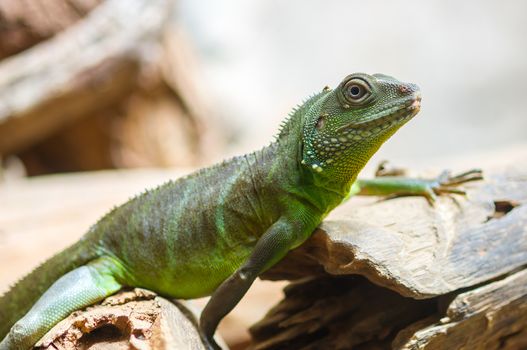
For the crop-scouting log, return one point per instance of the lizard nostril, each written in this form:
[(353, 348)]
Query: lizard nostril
[(404, 89), (408, 88)]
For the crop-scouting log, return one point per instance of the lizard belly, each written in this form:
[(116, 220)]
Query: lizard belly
[(200, 277), (186, 271), (185, 256)]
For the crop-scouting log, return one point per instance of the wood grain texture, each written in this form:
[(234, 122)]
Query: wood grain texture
[(344, 312), (493, 316), (348, 312)]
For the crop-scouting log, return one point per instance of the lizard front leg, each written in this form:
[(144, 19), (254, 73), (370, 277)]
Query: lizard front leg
[(392, 186), (274, 244)]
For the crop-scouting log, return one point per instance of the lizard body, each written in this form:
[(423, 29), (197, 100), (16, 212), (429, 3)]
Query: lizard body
[(214, 231)]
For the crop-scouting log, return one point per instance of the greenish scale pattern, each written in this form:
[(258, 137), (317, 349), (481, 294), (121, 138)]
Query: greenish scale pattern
[(198, 231)]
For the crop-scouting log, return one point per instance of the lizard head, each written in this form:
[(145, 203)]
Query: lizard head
[(347, 125)]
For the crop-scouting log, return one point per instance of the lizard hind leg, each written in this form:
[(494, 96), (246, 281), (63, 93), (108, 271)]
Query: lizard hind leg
[(75, 290)]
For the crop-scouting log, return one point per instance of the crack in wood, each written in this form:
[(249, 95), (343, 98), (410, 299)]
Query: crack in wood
[(502, 208)]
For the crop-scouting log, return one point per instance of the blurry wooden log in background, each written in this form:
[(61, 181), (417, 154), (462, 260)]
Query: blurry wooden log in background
[(90, 84), (28, 22)]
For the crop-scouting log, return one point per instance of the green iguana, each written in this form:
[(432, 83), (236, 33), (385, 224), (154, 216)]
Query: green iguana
[(214, 231)]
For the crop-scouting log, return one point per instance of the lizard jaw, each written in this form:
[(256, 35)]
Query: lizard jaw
[(397, 113)]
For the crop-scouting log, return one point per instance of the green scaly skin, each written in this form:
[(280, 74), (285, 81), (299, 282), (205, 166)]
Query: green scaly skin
[(217, 229)]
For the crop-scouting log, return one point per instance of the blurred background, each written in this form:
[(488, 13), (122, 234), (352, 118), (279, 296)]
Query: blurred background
[(186, 83), (262, 57), (91, 85)]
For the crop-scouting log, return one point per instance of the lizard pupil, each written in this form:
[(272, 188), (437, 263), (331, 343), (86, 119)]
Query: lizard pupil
[(356, 91)]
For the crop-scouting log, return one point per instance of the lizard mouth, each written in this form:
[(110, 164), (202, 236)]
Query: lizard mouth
[(393, 114)]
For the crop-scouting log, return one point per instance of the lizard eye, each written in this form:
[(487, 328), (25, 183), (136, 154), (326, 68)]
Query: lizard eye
[(356, 90)]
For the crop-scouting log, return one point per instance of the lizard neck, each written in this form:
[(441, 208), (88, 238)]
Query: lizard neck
[(284, 168)]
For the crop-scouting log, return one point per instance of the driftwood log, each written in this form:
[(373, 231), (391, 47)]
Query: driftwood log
[(376, 275)]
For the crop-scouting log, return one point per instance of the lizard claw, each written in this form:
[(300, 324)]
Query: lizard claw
[(471, 175), (446, 183)]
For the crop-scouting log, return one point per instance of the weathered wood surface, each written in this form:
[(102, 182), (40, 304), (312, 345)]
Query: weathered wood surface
[(493, 316), (422, 251), (135, 319), (337, 313), (348, 312)]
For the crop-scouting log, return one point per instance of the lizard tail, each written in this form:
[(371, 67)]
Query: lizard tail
[(15, 303)]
